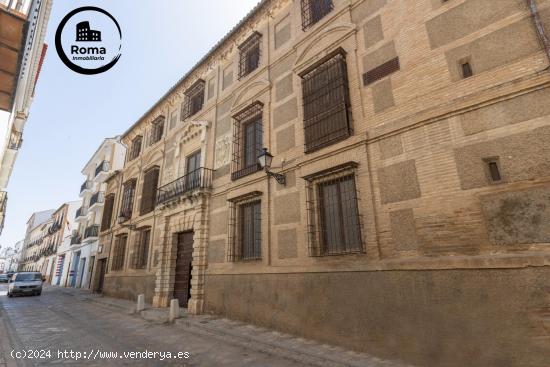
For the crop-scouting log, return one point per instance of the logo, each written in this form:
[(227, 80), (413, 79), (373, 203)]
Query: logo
[(83, 49)]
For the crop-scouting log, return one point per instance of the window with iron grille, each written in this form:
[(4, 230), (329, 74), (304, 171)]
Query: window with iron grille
[(149, 192), (157, 130), (107, 216), (141, 249), (249, 54), (128, 194), (245, 232), (247, 141), (327, 112), (119, 253), (135, 149), (194, 99), (314, 10), (381, 71), (334, 222)]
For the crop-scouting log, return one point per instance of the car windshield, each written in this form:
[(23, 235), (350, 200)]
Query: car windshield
[(25, 277), (3, 276)]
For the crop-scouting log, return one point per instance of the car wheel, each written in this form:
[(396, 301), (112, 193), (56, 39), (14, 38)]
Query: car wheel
[(39, 293)]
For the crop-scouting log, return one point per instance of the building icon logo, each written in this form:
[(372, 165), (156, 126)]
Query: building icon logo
[(85, 50), (85, 34)]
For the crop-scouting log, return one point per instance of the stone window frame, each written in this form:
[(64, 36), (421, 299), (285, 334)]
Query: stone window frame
[(234, 251), (254, 113), (118, 257), (128, 198), (250, 54), (157, 130), (140, 255), (316, 247), (194, 99), (135, 149), (311, 17)]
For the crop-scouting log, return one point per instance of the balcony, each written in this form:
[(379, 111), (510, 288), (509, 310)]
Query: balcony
[(102, 171), (97, 200), (200, 178), (81, 213), (75, 239), (16, 139), (86, 186), (91, 232)]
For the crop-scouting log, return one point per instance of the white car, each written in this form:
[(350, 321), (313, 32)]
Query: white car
[(25, 283)]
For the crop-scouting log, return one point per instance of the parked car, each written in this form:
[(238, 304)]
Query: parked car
[(25, 283), (10, 274), (4, 278)]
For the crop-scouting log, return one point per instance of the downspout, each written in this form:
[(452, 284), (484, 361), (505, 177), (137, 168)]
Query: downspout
[(541, 33)]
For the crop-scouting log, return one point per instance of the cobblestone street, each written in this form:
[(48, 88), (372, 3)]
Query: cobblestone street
[(70, 320)]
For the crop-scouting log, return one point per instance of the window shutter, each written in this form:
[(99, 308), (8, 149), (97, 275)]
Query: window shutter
[(149, 191), (107, 212)]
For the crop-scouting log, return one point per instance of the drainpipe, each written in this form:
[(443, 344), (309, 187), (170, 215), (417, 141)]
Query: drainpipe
[(541, 33)]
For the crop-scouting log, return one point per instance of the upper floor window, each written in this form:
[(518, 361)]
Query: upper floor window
[(314, 10), (107, 216), (128, 193), (157, 130), (149, 193), (194, 99), (249, 54), (327, 112), (135, 149), (247, 141)]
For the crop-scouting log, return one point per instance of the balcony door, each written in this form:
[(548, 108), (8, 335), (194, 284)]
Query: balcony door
[(192, 171)]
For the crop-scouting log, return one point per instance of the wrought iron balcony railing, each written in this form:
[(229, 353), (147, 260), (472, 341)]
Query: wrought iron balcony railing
[(200, 178), (81, 212), (97, 198), (86, 185), (16, 139), (103, 167), (75, 239), (91, 231)]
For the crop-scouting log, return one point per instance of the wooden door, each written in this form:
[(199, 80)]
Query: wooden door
[(182, 283), (102, 268)]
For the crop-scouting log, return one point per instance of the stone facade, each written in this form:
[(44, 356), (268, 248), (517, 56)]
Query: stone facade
[(448, 152)]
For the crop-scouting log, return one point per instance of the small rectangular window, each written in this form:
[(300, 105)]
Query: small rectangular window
[(157, 130), (493, 170), (314, 10), (466, 69), (135, 149), (249, 55), (194, 99)]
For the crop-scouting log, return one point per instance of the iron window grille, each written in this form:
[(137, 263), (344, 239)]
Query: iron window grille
[(128, 199), (314, 10), (119, 253), (194, 100), (334, 224), (381, 71), (249, 54), (107, 216), (245, 228), (247, 141), (327, 112), (149, 192), (141, 250), (157, 130), (135, 149)]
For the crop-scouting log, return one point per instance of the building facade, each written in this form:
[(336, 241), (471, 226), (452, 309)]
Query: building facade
[(23, 25), (108, 158), (404, 212), (59, 269), (33, 244)]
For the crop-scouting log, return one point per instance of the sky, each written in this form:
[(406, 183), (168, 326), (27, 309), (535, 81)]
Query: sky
[(72, 113)]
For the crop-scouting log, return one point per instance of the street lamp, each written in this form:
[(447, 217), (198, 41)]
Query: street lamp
[(265, 160)]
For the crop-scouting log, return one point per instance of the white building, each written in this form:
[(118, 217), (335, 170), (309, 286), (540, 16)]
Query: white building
[(22, 51), (37, 230), (12, 255), (60, 264), (108, 158)]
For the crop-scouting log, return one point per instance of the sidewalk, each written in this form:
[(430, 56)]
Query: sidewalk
[(263, 340)]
